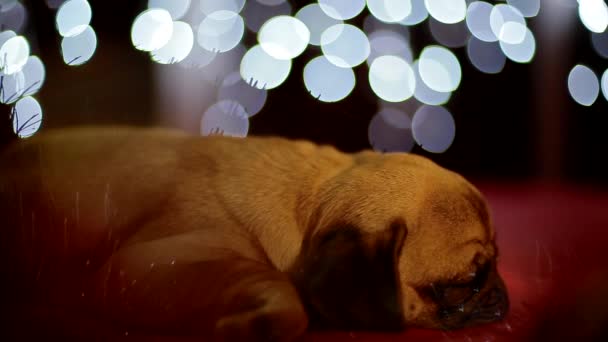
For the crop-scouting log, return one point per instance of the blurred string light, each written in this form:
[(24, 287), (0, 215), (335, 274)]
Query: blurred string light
[(326, 81), (226, 117), (433, 128), (583, 85), (79, 41), (604, 84), (390, 130), (342, 9), (489, 33), (593, 14), (13, 15), (21, 74), (345, 45), (317, 21), (392, 78)]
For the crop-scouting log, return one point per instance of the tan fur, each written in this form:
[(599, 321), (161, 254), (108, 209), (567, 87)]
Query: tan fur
[(206, 223)]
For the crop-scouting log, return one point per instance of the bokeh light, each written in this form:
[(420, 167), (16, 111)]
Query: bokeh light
[(13, 53), (326, 81), (600, 43), (433, 128), (342, 9), (284, 37), (447, 11), (178, 47), (256, 13), (390, 11), (198, 58), (529, 8), (177, 8), (235, 88), (522, 52), (272, 2), (209, 7), (73, 17), (220, 31), (478, 21), (392, 78), (226, 118), (487, 57), (34, 75), (224, 64), (152, 29), (13, 17), (450, 35), (583, 85), (439, 69), (79, 49), (12, 87), (426, 95), (417, 15), (593, 14), (27, 117), (262, 71), (345, 45), (316, 20), (604, 84), (390, 131), (387, 42), (508, 24)]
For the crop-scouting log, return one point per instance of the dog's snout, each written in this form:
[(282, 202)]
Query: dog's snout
[(493, 306)]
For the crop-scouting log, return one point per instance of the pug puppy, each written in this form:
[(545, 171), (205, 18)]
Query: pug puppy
[(239, 239)]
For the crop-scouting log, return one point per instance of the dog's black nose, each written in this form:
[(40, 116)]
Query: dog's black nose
[(493, 306)]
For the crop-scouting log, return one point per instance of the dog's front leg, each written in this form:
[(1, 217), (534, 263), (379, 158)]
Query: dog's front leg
[(224, 295)]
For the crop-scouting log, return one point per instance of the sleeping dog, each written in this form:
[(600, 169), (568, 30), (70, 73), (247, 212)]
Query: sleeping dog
[(241, 239)]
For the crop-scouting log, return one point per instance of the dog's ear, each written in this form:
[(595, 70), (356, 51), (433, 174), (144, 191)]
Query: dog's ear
[(348, 278)]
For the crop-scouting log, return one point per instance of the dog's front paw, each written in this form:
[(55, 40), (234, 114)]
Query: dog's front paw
[(262, 325)]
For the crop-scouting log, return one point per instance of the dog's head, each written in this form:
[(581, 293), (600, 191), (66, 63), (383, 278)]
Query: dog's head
[(399, 241)]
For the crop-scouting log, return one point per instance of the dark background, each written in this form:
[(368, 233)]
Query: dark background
[(518, 124)]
